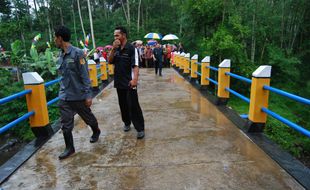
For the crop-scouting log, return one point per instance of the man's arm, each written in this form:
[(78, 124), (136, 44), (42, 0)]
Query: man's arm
[(135, 64), (111, 56)]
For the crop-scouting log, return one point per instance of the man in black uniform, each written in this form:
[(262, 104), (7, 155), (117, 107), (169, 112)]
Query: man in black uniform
[(75, 91), (158, 58), (124, 56)]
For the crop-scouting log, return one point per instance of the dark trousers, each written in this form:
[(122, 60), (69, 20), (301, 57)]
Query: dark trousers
[(158, 66), (69, 108), (149, 63), (130, 108)]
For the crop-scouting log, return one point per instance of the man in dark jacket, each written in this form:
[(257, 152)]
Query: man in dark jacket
[(124, 56), (75, 91), (158, 58)]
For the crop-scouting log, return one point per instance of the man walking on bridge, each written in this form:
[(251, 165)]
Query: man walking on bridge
[(75, 91), (124, 56)]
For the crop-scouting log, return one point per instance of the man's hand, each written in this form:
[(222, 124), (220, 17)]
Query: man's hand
[(133, 83), (88, 102), (116, 44)]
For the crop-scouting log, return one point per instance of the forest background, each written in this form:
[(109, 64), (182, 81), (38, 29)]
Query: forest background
[(249, 32)]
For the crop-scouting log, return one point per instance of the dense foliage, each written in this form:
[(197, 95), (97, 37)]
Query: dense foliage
[(249, 32)]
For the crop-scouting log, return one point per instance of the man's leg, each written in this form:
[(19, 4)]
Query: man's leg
[(123, 104), (136, 112), (88, 117), (67, 124), (156, 67), (160, 65)]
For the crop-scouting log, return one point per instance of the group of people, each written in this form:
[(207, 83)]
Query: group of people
[(157, 56), (101, 53), (75, 91)]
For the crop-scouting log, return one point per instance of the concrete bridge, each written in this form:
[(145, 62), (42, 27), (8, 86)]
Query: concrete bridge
[(189, 144)]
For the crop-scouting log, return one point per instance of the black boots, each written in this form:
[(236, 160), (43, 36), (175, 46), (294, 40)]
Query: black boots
[(69, 142), (96, 132), (69, 146)]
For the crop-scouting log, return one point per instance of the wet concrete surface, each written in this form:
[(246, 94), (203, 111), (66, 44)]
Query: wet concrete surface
[(189, 144)]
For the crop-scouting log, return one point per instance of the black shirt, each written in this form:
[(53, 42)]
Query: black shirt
[(124, 60)]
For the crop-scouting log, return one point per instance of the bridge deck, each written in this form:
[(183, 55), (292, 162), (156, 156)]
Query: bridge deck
[(189, 144)]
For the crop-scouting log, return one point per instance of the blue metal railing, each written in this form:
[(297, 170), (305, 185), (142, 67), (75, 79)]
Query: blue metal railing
[(198, 73), (239, 77), (198, 63), (213, 81), (287, 122), (29, 114), (47, 84), (98, 76), (16, 121), (238, 95), (212, 68), (244, 116), (14, 96), (288, 95), (98, 66), (52, 101)]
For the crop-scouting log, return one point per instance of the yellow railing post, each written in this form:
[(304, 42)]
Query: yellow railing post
[(36, 101), (172, 59), (111, 69), (194, 67), (103, 69), (92, 73), (205, 72), (176, 55), (182, 61), (186, 63), (259, 98), (223, 82), (178, 60)]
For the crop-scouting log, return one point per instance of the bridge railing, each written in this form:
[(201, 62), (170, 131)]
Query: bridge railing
[(36, 99), (259, 93)]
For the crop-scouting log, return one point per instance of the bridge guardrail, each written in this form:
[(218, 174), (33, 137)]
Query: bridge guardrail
[(258, 101), (36, 99)]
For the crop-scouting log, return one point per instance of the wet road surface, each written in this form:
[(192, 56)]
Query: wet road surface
[(189, 144)]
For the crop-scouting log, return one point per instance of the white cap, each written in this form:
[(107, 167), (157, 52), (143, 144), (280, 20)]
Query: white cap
[(102, 59), (187, 55), (225, 63), (263, 71), (183, 54), (91, 62), (195, 56), (206, 59), (32, 78)]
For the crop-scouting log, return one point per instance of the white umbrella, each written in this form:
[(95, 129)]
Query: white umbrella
[(139, 41), (170, 37)]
